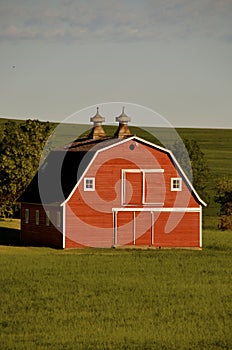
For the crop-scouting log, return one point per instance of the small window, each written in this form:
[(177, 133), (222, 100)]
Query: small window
[(58, 219), (89, 184), (27, 216), (37, 217), (47, 218), (176, 184)]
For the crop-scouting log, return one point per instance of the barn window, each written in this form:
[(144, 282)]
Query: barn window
[(47, 218), (37, 217), (176, 184), (27, 216), (58, 219), (89, 184)]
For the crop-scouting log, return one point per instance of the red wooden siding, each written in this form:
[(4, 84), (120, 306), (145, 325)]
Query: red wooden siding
[(125, 228), (133, 188), (147, 229), (83, 230), (41, 234), (143, 228), (185, 230), (154, 188), (89, 218)]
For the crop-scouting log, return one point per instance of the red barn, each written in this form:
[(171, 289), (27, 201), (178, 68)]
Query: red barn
[(104, 191)]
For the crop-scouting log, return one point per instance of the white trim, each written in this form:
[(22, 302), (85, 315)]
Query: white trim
[(200, 223), (143, 170), (152, 228), (143, 188), (134, 228), (144, 204), (113, 225), (176, 189), (78, 182), (64, 223), (115, 228), (177, 210), (137, 171), (136, 138), (122, 186), (86, 188)]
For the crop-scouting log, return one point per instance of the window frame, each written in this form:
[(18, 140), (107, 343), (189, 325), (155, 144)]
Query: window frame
[(58, 219), (86, 186), (27, 216), (37, 217), (47, 218), (179, 181)]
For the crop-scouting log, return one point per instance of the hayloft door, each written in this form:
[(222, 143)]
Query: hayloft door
[(133, 188)]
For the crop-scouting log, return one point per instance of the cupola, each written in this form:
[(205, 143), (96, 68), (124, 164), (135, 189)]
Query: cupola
[(123, 130), (97, 131)]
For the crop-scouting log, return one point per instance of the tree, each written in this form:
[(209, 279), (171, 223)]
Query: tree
[(194, 164), (21, 145), (224, 198)]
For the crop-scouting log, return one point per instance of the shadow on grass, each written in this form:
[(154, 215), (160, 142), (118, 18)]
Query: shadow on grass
[(9, 236)]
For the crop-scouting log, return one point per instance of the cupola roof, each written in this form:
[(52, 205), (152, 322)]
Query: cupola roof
[(123, 118), (97, 119)]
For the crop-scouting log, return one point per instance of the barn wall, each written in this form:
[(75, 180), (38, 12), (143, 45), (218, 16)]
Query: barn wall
[(41, 235), (89, 214), (183, 230), (106, 169), (82, 232), (72, 244), (165, 229)]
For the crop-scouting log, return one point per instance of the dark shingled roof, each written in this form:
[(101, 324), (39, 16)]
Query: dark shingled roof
[(61, 170)]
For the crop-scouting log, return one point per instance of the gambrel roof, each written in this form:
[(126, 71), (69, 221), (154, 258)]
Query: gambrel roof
[(64, 168)]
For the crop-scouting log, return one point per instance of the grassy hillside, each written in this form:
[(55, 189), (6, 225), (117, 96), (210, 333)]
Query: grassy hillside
[(217, 147), (114, 299)]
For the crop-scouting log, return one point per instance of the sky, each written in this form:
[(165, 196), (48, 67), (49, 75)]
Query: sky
[(171, 56)]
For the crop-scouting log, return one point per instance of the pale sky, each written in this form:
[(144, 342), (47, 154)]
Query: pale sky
[(172, 56)]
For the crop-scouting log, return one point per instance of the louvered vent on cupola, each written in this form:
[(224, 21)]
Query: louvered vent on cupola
[(123, 130), (97, 131)]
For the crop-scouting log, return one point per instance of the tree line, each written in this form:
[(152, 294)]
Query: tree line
[(21, 145)]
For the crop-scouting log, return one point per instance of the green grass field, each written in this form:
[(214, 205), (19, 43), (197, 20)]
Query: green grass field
[(117, 299), (122, 299)]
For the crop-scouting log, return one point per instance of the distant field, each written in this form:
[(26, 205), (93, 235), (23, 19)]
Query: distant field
[(10, 223), (117, 299), (217, 147)]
